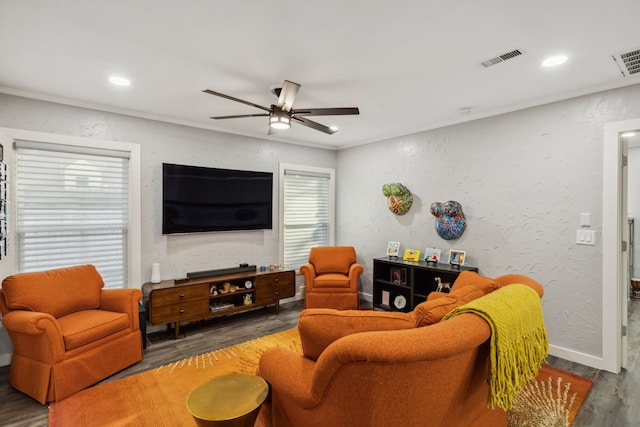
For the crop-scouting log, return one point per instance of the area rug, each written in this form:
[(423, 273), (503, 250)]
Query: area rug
[(157, 397), (551, 400)]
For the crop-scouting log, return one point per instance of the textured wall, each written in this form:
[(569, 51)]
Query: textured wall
[(163, 142), (523, 179), (633, 203)]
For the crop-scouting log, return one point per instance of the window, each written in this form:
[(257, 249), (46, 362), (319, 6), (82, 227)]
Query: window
[(307, 198), (72, 207)]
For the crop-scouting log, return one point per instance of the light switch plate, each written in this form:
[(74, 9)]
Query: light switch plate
[(586, 237), (585, 220)]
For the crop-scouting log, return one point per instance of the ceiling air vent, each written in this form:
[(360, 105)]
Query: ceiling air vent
[(629, 62), (501, 58)]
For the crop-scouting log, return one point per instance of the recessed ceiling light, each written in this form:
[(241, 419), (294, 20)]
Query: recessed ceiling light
[(628, 134), (120, 81), (334, 128), (554, 61)]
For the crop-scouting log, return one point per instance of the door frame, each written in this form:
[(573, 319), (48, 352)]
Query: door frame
[(613, 220)]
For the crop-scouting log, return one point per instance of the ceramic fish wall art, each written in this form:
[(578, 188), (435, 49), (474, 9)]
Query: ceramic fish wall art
[(450, 220), (399, 198)]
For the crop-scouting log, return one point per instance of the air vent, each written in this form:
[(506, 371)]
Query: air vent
[(501, 58), (629, 62)]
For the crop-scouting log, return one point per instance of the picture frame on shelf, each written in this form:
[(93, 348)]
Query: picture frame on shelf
[(393, 249), (398, 276), (411, 255), (456, 257), (386, 297), (432, 255)]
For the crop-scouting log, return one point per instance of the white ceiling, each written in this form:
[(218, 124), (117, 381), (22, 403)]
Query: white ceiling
[(408, 65)]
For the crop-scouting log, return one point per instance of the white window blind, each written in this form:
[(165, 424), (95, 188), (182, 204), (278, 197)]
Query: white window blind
[(72, 209), (307, 215)]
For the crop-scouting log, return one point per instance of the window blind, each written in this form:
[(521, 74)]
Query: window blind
[(307, 214), (71, 209)]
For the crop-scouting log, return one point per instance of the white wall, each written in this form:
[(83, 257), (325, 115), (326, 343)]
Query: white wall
[(633, 203), (162, 142), (523, 179)]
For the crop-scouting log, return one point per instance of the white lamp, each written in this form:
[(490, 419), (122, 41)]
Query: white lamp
[(279, 120)]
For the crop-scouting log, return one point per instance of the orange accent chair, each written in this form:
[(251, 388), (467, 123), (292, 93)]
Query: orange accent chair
[(331, 278), (388, 369), (67, 332)]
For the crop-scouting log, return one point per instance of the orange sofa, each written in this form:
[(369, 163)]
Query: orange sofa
[(379, 369), (331, 278), (67, 332)]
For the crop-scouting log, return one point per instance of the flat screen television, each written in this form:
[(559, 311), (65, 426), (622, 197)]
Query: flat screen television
[(199, 199)]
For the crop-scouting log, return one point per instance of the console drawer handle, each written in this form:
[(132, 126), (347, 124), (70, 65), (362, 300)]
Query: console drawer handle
[(182, 311), (276, 279), (181, 295)]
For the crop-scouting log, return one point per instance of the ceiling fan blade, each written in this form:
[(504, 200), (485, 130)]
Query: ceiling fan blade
[(326, 111), (222, 95), (314, 125), (239, 116), (287, 95)]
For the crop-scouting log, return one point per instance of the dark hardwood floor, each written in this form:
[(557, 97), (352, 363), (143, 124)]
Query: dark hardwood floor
[(612, 401)]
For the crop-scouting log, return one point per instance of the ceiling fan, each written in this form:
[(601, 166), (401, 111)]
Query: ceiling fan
[(282, 112)]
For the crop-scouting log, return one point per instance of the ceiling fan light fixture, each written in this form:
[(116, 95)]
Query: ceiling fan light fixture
[(279, 121)]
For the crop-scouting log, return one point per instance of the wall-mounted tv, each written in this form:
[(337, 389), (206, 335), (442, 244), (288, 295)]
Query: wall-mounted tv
[(199, 199)]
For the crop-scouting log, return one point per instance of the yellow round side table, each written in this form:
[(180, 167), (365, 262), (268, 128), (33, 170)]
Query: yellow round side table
[(231, 400)]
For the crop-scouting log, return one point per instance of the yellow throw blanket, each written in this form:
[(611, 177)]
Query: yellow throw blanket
[(519, 342)]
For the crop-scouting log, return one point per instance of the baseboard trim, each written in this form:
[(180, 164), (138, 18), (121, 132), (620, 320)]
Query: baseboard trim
[(5, 359), (577, 357)]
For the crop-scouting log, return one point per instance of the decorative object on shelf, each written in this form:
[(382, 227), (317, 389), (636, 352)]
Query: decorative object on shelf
[(155, 273), (432, 255), (226, 286), (248, 284), (386, 295), (400, 302), (399, 198), (248, 300), (411, 255), (450, 220), (442, 287), (398, 276), (393, 249), (456, 257)]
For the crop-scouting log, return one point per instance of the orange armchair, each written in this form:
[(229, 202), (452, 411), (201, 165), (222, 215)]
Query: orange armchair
[(67, 332), (331, 278)]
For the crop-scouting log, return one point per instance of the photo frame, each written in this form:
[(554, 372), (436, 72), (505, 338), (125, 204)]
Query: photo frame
[(411, 255), (432, 255), (386, 297), (393, 249), (456, 257)]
